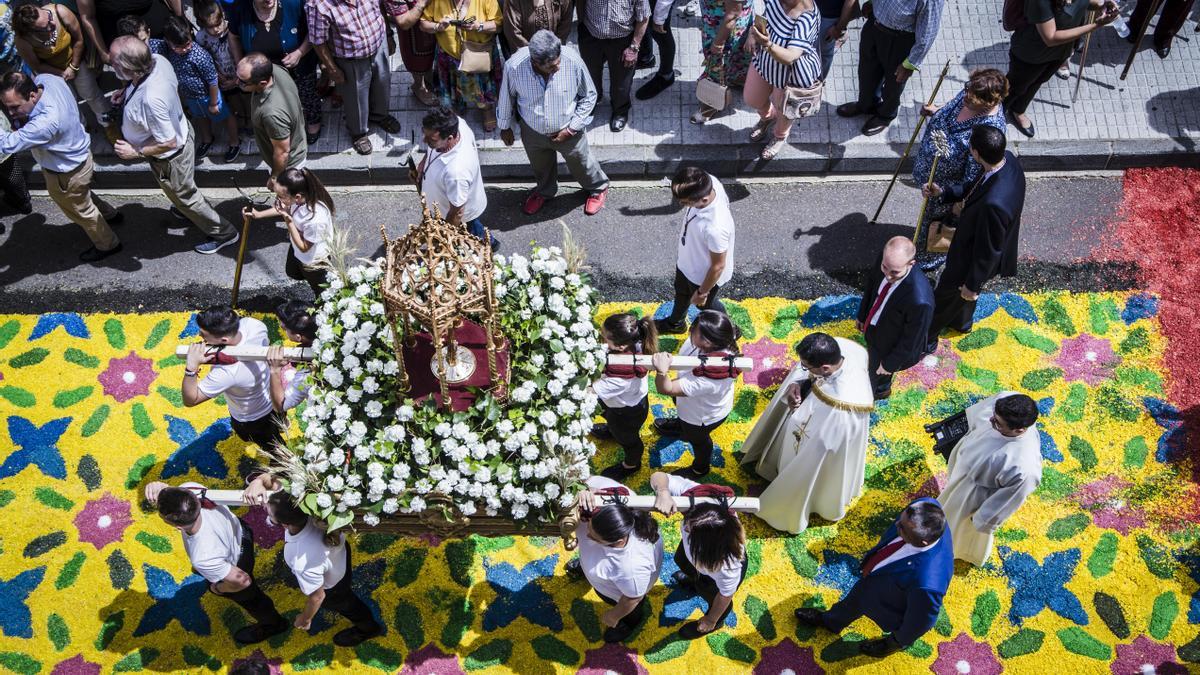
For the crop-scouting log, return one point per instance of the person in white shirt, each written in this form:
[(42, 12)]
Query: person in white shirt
[(221, 549), (623, 391), (289, 384), (705, 259), (711, 554), (620, 554), (703, 395), (245, 384), (307, 209), (449, 175), (322, 567)]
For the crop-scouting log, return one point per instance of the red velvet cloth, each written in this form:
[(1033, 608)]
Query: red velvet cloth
[(418, 360)]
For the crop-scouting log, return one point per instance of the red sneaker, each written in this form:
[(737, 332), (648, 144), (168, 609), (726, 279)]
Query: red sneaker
[(595, 202), (533, 203)]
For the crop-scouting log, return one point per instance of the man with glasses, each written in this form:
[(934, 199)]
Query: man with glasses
[(991, 471), (246, 385), (894, 315), (811, 441), (705, 252), (275, 114), (220, 547)]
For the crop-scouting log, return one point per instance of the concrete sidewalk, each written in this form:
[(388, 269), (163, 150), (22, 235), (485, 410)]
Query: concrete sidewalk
[(1152, 118)]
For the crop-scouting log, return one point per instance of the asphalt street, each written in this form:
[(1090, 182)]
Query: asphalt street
[(795, 238)]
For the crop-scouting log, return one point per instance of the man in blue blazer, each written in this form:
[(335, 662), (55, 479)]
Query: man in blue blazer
[(894, 315), (985, 242), (904, 578)]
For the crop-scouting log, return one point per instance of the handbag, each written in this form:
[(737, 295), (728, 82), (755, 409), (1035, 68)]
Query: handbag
[(802, 101), (476, 57), (939, 237), (715, 95)]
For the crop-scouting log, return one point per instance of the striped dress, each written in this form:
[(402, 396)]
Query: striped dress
[(801, 32)]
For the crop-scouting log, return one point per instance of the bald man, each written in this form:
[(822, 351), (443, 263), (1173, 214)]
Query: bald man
[(275, 113), (895, 313)]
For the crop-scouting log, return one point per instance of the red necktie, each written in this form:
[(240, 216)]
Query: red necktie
[(887, 289), (881, 555)]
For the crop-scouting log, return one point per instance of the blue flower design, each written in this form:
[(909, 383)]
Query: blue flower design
[(1191, 564), (840, 571), (1050, 449), (173, 601), (518, 593), (15, 620), (664, 310), (1037, 587), (668, 450), (70, 322), (196, 450), (1172, 444), (1013, 304), (831, 308), (1140, 306), (38, 446), (191, 329), (680, 603)]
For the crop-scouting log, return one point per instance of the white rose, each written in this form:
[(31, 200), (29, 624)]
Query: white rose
[(442, 429), (375, 408), (390, 506), (519, 511), (417, 504), (335, 483), (405, 413), (554, 387), (400, 471), (324, 501), (369, 385), (547, 418)]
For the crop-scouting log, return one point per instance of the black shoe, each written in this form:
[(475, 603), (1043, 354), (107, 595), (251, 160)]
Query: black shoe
[(874, 125), (883, 395), (1163, 51), (25, 209), (879, 648), (389, 124), (178, 215), (1131, 38), (690, 473), (691, 631), (646, 62), (601, 432), (95, 255), (202, 150), (683, 579), (654, 86), (619, 472), (808, 616), (354, 635), (667, 426), (850, 110), (233, 151), (115, 219), (574, 569), (1025, 131), (494, 243), (617, 123), (665, 328), (259, 632)]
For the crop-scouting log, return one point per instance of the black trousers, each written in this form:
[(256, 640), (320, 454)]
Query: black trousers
[(683, 299), (705, 586), (12, 183), (251, 598), (295, 269), (341, 599), (1024, 81), (595, 53), (881, 51), (880, 384), (700, 438), (634, 618), (949, 311), (666, 46), (1174, 12), (625, 424), (266, 432)]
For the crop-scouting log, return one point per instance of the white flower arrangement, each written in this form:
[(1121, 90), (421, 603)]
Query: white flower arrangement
[(368, 451)]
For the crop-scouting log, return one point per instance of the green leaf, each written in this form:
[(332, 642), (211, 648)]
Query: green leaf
[(1138, 340), (51, 498), (20, 663), (1135, 452), (93, 423), (30, 358), (743, 408), (6, 497), (550, 648), (459, 621), (988, 380), (174, 396), (724, 644), (408, 566), (115, 332), (943, 626), (313, 658), (69, 397), (1110, 612), (987, 606), (1055, 484), (154, 542), (760, 616), (70, 571), (409, 624), (1067, 527), (339, 520), (1131, 376), (1158, 560), (60, 634), (1057, 317), (157, 333), (741, 318), (1078, 641), (1026, 337), (18, 396), (80, 358), (1037, 380), (493, 653), (785, 321), (670, 647), (919, 650), (1026, 641), (375, 655), (8, 331), (136, 661), (1100, 562), (1083, 451), (585, 620), (1072, 406), (142, 425), (1166, 608), (1102, 312), (977, 339), (138, 471), (112, 625)]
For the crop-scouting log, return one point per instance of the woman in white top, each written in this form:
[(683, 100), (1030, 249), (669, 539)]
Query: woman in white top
[(289, 384), (703, 395), (622, 391), (307, 210), (620, 554), (711, 554), (785, 55)]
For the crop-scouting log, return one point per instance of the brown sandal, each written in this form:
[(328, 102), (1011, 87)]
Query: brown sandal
[(759, 132), (362, 145)]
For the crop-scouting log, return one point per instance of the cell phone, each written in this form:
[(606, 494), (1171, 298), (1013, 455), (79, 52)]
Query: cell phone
[(760, 22)]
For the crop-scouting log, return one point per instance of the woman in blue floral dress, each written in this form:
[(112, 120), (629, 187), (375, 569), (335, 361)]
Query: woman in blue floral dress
[(978, 103), (723, 32)]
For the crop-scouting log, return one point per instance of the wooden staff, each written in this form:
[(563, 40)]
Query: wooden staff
[(908, 149), (1154, 7), (941, 147), (1087, 41), (237, 271)]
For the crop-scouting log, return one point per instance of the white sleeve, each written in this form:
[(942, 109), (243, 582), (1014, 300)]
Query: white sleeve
[(213, 568), (719, 237), (662, 10), (297, 389), (678, 485), (310, 579), (218, 380)]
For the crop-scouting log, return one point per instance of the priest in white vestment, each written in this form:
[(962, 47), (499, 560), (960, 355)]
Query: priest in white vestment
[(812, 444), (991, 472)]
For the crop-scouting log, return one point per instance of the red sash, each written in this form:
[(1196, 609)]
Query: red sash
[(722, 493), (722, 369), (625, 372), (613, 494)]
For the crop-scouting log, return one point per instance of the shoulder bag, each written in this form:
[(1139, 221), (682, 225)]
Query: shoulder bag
[(713, 94)]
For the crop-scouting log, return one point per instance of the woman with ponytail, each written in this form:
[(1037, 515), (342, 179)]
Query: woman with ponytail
[(620, 554), (711, 554), (307, 210), (622, 391), (703, 395)]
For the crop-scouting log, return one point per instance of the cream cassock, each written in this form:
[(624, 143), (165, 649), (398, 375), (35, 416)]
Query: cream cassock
[(989, 476), (814, 456)]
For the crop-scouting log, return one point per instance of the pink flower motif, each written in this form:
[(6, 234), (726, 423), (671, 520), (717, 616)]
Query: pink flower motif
[(1109, 509), (611, 658), (128, 377), (429, 660), (274, 666), (772, 362), (932, 370), (1144, 656), (103, 521), (265, 534), (963, 655), (1087, 358), (76, 665), (787, 657)]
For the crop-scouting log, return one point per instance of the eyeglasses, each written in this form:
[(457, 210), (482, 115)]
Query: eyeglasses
[(201, 492)]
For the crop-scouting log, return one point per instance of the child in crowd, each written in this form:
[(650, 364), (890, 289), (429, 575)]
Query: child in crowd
[(226, 50), (703, 395), (307, 210), (622, 391), (289, 385)]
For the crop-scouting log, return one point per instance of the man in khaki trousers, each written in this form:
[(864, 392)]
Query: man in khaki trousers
[(44, 111)]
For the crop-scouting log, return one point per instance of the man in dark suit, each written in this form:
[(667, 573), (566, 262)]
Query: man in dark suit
[(985, 243), (894, 315), (904, 578)]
